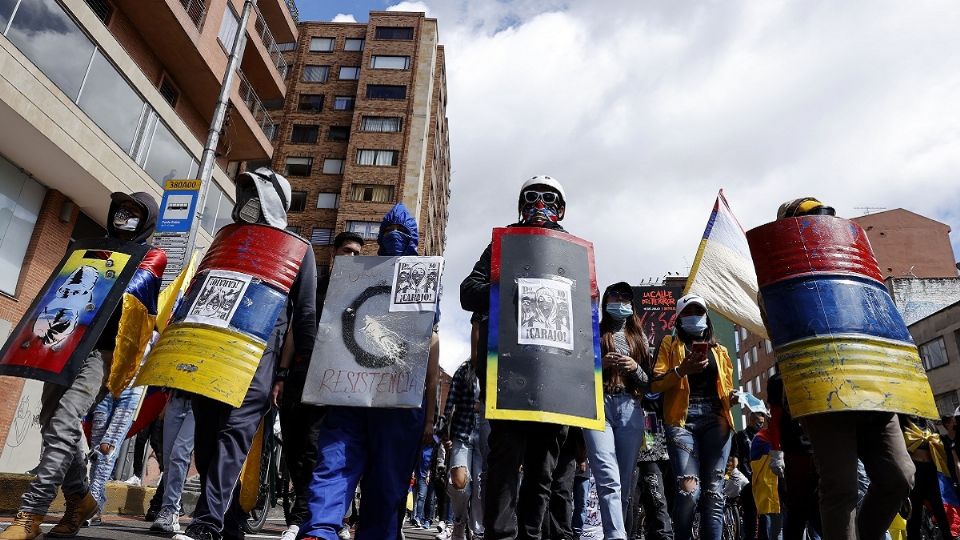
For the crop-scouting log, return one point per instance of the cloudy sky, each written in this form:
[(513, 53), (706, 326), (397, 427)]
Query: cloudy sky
[(644, 110)]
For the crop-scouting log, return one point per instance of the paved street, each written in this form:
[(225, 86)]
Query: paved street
[(121, 528)]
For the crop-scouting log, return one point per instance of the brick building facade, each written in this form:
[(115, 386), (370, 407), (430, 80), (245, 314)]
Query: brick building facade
[(363, 127)]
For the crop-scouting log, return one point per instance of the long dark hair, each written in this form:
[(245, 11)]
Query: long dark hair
[(633, 329)]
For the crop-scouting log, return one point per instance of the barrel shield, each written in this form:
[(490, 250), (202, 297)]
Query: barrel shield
[(219, 333)]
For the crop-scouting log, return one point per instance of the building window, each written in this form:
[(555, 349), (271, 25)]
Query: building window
[(228, 28), (381, 124), (390, 62), (102, 9), (394, 32), (386, 158), (947, 403), (353, 44), (343, 103), (298, 201), (349, 73), (756, 384), (371, 193), (749, 387), (287, 47), (321, 44), (772, 371), (304, 134), (754, 354), (386, 91), (169, 90), (768, 345), (328, 200), (366, 229), (333, 166), (934, 354), (310, 102), (217, 210), (338, 133), (315, 73), (20, 200), (298, 166), (321, 237)]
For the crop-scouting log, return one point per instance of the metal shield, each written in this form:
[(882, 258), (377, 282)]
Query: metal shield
[(66, 319), (373, 342), (219, 333), (543, 359)]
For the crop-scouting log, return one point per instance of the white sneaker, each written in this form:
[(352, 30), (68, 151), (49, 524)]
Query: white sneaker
[(459, 531), (444, 533), (344, 533), (133, 481), (290, 533)]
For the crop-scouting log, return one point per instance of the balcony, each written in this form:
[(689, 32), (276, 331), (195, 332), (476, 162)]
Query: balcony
[(270, 43), (256, 108), (195, 9)]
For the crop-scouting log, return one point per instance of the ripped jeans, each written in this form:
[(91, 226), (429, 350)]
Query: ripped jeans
[(112, 419), (699, 451)]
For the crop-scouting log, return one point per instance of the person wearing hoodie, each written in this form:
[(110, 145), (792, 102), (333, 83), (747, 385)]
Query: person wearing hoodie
[(533, 445), (375, 447), (224, 434), (63, 462)]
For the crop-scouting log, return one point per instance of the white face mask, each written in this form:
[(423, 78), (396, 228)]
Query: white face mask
[(125, 220), (251, 211)]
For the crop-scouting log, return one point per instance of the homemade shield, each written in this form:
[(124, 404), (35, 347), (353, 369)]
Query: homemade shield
[(543, 360), (372, 348), (66, 319), (219, 332), (840, 342)]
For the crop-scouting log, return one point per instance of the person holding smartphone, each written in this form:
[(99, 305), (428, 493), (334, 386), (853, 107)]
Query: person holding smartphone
[(612, 453), (695, 375)]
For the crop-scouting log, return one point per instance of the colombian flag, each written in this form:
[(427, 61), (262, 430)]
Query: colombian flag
[(914, 437), (137, 320)]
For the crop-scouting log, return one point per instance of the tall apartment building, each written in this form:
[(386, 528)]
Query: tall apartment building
[(115, 95), (363, 127), (906, 245)]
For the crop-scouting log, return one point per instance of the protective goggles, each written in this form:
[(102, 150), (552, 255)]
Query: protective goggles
[(548, 197), (820, 211)]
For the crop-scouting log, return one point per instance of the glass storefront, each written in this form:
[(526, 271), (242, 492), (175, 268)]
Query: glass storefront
[(20, 200)]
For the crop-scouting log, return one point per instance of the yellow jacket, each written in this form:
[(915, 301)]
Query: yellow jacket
[(676, 390)]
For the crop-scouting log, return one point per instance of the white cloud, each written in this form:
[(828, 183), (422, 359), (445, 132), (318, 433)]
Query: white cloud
[(344, 18), (416, 7), (645, 110)]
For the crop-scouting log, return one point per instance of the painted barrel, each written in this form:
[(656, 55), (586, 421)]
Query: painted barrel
[(809, 245), (219, 331), (840, 342)]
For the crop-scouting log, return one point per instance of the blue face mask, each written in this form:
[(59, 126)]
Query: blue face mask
[(694, 324), (619, 310), (394, 243)]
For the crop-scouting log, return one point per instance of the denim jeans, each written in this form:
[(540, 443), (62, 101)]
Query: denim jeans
[(699, 450), (771, 526), (420, 490), (581, 491), (613, 456), (178, 439), (112, 419)]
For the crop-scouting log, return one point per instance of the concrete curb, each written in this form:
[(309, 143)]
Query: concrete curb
[(122, 499)]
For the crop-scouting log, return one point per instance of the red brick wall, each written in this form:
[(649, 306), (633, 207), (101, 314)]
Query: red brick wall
[(47, 246)]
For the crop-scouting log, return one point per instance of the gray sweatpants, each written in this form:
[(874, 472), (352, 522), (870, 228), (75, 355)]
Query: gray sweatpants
[(63, 461)]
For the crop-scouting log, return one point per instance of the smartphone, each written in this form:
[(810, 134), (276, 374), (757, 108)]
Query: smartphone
[(700, 347)]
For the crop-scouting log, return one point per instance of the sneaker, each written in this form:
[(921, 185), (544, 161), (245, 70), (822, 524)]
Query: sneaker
[(442, 535), (167, 522), (441, 526), (133, 481), (459, 531), (344, 533), (25, 526), (290, 533), (197, 532), (79, 510), (95, 521)]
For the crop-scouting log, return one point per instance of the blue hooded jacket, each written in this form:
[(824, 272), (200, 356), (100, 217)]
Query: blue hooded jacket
[(399, 215)]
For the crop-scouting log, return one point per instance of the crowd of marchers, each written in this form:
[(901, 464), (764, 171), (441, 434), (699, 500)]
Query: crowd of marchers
[(668, 463)]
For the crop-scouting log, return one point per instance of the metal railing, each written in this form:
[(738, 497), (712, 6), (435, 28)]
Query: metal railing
[(259, 112), (260, 24), (294, 12), (196, 9)]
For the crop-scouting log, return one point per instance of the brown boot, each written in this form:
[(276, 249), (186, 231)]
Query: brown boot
[(79, 509), (25, 526)]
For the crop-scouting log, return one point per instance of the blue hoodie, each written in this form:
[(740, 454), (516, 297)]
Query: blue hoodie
[(399, 215)]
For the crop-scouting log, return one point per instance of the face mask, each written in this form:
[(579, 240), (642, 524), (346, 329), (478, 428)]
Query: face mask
[(125, 220), (532, 213), (619, 310), (251, 211), (694, 324), (394, 243)]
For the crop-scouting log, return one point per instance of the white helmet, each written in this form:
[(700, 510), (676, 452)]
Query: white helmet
[(545, 180)]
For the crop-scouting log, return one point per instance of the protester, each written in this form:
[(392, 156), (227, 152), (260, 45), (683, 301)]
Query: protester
[(765, 488), (375, 447), (696, 376), (300, 422), (791, 459), (179, 427), (533, 445), (421, 487), (740, 451), (558, 521), (63, 462), (925, 449), (224, 434), (462, 410), (653, 462), (612, 453)]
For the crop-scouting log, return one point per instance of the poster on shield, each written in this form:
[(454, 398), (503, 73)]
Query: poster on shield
[(545, 313), (370, 352), (219, 298)]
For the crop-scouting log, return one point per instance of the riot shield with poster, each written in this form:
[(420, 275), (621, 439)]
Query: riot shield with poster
[(373, 341), (63, 324), (543, 349)]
